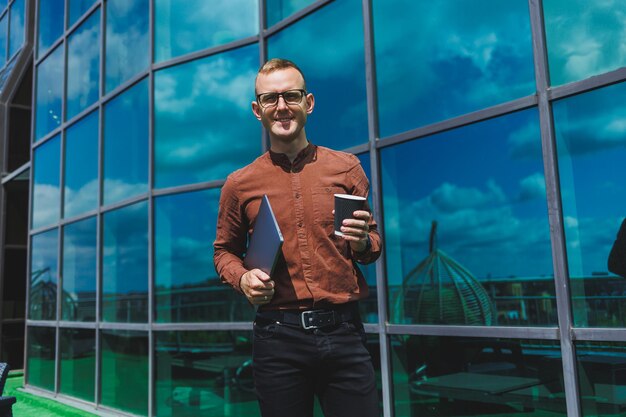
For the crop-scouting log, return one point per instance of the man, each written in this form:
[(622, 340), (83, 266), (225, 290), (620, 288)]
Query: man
[(308, 337)]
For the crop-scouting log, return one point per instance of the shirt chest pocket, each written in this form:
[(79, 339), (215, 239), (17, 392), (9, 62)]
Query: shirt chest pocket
[(324, 203)]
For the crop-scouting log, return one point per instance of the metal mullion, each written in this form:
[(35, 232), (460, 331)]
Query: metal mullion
[(43, 229), (188, 188), (48, 135), (15, 105), (300, 14), (227, 325), (60, 240), (592, 83), (124, 203), (108, 325), (83, 113), (599, 334), (77, 324), (460, 121), (120, 89), (555, 214), (16, 173), (265, 138), (48, 52), (546, 333), (151, 303), (40, 323), (81, 20), (365, 147)]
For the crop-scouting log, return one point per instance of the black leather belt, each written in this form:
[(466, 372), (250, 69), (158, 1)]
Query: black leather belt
[(313, 319)]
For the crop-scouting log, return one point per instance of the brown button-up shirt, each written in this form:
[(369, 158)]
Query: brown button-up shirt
[(316, 268)]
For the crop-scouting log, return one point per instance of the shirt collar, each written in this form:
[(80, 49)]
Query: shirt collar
[(306, 155)]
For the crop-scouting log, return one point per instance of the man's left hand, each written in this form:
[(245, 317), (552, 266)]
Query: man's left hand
[(356, 230)]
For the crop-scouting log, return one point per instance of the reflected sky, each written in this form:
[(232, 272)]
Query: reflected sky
[(81, 166), (83, 62), (79, 270), (277, 10), (51, 18), (204, 126), (126, 144), (77, 9), (127, 41), (439, 60), (591, 145), (584, 38), (4, 27), (192, 25), (43, 275), (485, 187), (50, 75), (333, 63), (16, 39), (46, 188)]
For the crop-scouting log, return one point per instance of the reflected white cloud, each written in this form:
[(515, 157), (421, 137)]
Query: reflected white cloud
[(532, 187), (83, 65), (80, 200), (46, 205)]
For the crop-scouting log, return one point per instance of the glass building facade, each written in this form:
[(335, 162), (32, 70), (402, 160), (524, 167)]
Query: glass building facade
[(494, 136)]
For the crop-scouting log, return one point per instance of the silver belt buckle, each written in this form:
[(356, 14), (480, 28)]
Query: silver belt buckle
[(304, 314)]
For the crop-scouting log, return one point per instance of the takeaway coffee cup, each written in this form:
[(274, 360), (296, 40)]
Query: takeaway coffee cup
[(345, 205)]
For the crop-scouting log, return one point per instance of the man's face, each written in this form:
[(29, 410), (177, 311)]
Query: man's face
[(284, 122)]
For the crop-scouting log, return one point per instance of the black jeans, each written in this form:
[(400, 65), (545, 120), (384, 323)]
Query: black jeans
[(291, 365)]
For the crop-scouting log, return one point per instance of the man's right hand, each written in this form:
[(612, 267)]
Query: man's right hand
[(257, 286)]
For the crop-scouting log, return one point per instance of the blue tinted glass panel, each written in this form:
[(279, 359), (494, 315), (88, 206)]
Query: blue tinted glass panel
[(78, 302), (466, 227), (591, 149), (204, 126), (40, 357), (278, 10), (50, 76), (339, 119), (187, 288), (16, 39), (192, 25), (439, 60), (83, 66), (46, 187), (77, 9), (125, 264), (81, 166), (43, 276), (583, 38), (127, 42), (51, 18), (126, 144), (4, 27), (78, 363), (369, 307)]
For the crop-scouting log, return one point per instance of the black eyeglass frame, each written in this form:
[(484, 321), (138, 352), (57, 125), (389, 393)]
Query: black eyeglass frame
[(281, 94)]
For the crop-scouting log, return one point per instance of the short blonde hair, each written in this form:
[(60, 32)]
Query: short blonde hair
[(276, 64)]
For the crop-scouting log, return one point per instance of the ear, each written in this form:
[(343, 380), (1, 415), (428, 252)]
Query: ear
[(256, 109), (310, 103)]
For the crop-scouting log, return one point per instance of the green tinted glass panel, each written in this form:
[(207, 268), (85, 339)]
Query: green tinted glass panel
[(333, 63), (77, 9), (83, 66), (78, 301), (81, 166), (46, 187), (126, 144), (583, 38), (204, 126), (16, 37), (78, 363), (51, 18), (49, 102), (124, 371), (125, 264), (467, 236), (187, 288), (192, 25), (40, 357), (439, 60), (450, 376), (591, 149), (44, 261), (278, 10), (127, 41)]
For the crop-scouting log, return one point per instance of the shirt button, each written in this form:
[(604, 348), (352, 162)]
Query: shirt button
[(297, 195), (300, 224)]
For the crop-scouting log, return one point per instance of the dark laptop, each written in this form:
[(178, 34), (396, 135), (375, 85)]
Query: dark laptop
[(266, 241)]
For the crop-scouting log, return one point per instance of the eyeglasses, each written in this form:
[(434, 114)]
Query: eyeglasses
[(290, 97)]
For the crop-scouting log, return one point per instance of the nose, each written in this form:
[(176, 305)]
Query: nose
[(282, 104)]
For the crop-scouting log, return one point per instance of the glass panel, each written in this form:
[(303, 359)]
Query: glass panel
[(81, 166), (192, 25), (127, 42), (187, 288), (204, 127), (278, 10), (78, 363), (40, 357), (126, 144), (16, 39), (452, 376), (591, 152), (125, 264), (43, 276), (340, 116), (13, 343), (78, 8), (83, 66), (436, 61), (50, 76), (4, 27), (478, 251), (125, 358), (46, 187), (583, 38), (51, 18), (204, 373), (78, 302), (601, 377)]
